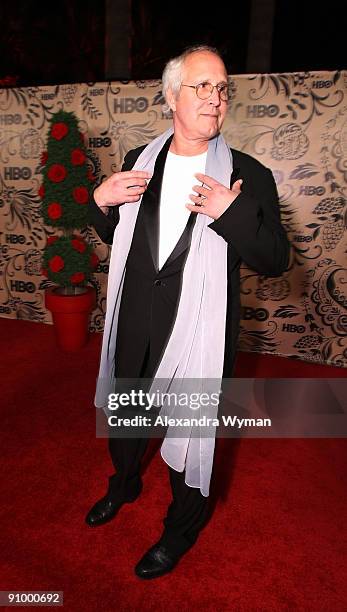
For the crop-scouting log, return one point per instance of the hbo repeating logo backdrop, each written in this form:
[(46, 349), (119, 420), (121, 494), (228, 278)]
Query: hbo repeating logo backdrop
[(295, 124)]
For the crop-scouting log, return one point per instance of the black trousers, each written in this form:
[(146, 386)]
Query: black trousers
[(188, 510)]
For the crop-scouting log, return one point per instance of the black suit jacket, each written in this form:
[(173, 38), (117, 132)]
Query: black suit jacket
[(252, 228)]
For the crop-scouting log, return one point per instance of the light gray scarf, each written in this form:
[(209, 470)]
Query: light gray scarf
[(194, 355)]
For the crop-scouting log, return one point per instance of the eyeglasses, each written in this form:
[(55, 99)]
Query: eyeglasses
[(205, 90)]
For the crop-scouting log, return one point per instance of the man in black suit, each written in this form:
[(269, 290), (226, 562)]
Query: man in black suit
[(245, 214)]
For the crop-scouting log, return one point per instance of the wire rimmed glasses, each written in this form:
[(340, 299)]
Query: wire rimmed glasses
[(205, 90)]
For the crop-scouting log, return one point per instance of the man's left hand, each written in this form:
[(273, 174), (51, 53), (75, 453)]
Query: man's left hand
[(213, 198)]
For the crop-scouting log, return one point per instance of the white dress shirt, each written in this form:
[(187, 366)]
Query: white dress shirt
[(177, 185)]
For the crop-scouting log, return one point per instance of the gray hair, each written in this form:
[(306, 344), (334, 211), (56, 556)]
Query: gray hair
[(172, 75)]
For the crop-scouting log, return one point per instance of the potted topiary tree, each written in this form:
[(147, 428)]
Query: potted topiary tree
[(68, 260)]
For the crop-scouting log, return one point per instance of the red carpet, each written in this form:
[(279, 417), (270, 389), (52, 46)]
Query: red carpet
[(277, 538)]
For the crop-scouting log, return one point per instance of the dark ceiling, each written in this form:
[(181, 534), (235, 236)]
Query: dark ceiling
[(64, 41)]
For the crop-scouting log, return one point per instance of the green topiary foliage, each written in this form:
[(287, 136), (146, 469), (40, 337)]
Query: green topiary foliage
[(67, 260), (65, 187)]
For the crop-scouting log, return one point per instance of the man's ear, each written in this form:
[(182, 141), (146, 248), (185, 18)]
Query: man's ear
[(171, 99)]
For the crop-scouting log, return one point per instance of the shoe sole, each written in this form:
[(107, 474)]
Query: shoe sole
[(156, 575), (128, 500)]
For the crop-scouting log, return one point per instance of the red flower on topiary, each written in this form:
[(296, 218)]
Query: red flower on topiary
[(54, 210), (94, 260), (51, 239), (41, 192), (77, 277), (56, 263), (80, 195), (78, 157), (44, 158), (57, 173), (79, 245), (59, 130)]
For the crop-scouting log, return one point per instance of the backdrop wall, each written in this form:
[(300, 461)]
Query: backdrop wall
[(296, 124)]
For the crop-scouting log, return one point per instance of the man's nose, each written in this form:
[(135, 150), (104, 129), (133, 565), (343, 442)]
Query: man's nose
[(215, 97)]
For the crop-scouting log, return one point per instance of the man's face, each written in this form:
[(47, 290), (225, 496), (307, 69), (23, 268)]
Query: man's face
[(197, 119)]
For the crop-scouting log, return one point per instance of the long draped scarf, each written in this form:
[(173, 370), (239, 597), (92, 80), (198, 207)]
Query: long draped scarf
[(192, 361)]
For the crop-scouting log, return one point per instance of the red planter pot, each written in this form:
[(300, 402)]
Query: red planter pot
[(70, 317)]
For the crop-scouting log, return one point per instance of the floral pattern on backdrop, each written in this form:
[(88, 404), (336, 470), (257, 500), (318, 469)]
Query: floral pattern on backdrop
[(295, 124)]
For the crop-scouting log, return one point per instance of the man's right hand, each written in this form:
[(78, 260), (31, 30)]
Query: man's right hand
[(121, 187)]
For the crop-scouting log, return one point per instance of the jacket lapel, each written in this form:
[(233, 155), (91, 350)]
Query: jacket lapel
[(151, 201), (184, 241)]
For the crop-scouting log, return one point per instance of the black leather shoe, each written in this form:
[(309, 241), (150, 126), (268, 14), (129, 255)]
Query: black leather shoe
[(106, 508), (156, 562)]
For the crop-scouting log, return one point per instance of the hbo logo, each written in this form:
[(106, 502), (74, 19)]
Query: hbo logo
[(259, 314), (13, 173), (22, 287), (130, 105)]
